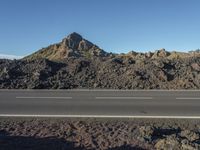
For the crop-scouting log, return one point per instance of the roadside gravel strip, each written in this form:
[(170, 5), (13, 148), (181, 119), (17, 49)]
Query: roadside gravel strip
[(112, 134)]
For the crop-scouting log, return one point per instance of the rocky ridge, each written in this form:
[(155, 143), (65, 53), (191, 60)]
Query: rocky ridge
[(78, 63), (75, 46)]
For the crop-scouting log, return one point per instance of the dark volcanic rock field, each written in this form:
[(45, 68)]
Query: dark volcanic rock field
[(110, 73), (68, 134)]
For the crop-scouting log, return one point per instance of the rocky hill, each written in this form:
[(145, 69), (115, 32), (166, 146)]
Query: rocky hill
[(77, 63), (71, 46)]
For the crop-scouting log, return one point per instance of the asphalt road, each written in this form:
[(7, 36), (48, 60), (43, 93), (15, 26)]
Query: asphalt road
[(100, 103)]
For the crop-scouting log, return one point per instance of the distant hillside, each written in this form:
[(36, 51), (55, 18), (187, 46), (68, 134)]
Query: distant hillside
[(5, 56)]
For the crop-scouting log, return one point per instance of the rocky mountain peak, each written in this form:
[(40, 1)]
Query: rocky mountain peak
[(74, 45), (74, 37), (72, 40), (75, 41)]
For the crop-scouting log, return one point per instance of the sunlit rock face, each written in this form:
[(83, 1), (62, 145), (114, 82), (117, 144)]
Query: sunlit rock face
[(74, 45)]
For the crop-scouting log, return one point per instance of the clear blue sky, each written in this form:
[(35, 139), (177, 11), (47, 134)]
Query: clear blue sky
[(114, 25)]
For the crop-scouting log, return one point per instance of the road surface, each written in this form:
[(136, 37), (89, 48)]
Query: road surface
[(100, 103)]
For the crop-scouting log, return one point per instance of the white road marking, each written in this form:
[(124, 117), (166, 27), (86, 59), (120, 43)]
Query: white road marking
[(43, 97), (100, 116), (123, 97), (76, 90), (188, 98)]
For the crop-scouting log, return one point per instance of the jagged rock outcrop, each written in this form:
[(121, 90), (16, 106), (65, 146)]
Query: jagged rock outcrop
[(161, 53)]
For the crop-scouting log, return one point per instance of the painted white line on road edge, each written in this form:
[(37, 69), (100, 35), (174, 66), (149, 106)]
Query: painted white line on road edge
[(43, 97), (100, 116), (188, 98), (76, 90), (123, 97)]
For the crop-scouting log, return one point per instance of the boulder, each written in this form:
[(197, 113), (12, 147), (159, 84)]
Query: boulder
[(190, 135), (195, 66), (169, 143), (146, 132), (160, 54)]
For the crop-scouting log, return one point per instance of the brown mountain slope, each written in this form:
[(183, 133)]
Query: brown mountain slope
[(71, 46), (74, 45)]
